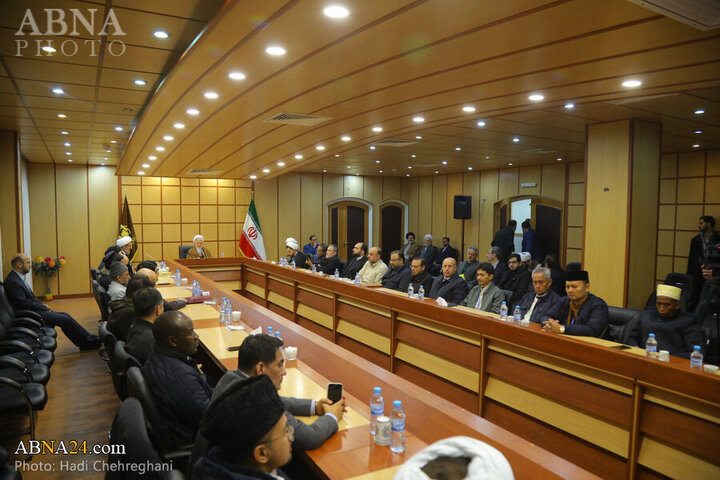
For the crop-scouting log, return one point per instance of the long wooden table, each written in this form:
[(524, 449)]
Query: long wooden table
[(615, 413), (351, 453)]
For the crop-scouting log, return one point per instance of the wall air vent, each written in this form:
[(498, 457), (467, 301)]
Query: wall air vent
[(395, 142), (204, 172), (296, 119)]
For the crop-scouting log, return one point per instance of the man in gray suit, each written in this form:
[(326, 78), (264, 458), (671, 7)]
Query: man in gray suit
[(485, 296), (468, 268)]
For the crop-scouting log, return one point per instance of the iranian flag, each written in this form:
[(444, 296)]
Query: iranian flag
[(251, 243)]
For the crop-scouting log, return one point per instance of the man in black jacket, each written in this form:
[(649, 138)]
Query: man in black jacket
[(420, 276), (22, 298), (706, 236), (122, 312), (580, 313), (180, 391), (294, 254), (331, 261), (536, 305), (429, 251), (354, 265), (449, 285), (148, 305), (505, 239), (516, 279), (398, 275)]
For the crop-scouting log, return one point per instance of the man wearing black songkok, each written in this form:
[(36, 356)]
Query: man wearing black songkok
[(581, 312)]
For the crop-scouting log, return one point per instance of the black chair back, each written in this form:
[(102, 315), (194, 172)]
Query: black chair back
[(115, 370), (138, 388), (7, 314), (93, 274), (620, 323), (183, 250), (123, 358), (129, 429)]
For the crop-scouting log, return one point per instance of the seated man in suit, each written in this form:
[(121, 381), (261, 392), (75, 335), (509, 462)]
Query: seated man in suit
[(119, 278), (374, 269), (485, 296), (22, 298), (468, 267), (126, 246), (152, 276), (448, 284), (294, 254), (411, 248), (428, 251), (358, 260), (445, 251), (250, 438), (517, 280), (180, 391), (198, 250), (148, 305), (260, 355), (494, 258), (581, 312), (536, 305), (420, 276), (331, 261), (675, 331), (398, 275), (122, 312)]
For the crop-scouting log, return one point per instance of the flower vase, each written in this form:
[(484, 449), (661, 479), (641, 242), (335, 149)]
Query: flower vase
[(48, 291)]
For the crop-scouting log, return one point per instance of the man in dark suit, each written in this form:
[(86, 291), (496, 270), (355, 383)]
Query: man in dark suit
[(429, 251), (517, 280), (22, 298), (420, 276), (493, 258), (449, 285), (354, 265), (505, 239), (468, 267), (536, 305), (398, 275), (446, 251), (294, 254), (331, 261), (706, 236), (581, 312)]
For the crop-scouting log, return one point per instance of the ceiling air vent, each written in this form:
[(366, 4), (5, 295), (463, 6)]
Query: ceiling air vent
[(395, 142), (296, 119), (701, 14), (626, 101), (204, 172), (539, 151)]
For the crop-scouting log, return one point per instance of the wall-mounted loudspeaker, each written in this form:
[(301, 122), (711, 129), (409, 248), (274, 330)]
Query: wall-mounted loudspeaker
[(462, 207)]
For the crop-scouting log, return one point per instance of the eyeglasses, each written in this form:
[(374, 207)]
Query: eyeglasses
[(289, 433)]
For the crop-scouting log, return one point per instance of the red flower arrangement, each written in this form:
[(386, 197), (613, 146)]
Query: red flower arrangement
[(48, 266)]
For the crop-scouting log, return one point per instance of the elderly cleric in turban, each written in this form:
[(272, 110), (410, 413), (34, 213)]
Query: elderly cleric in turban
[(199, 251)]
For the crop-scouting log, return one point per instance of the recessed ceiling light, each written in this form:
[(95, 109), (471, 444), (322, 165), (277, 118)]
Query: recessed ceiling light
[(469, 109), (336, 11), (69, 159), (266, 170), (418, 137), (141, 172), (444, 162), (697, 145), (372, 147), (409, 167), (140, 82), (699, 112), (348, 166), (68, 153), (357, 174), (119, 128), (168, 138), (67, 144), (698, 131), (324, 171), (146, 165), (152, 157), (48, 48), (64, 132), (480, 123), (559, 159), (510, 164), (536, 97), (298, 156), (487, 157), (407, 174), (436, 171), (160, 148), (380, 171), (236, 75), (320, 148), (516, 139), (469, 168), (413, 155), (58, 91), (179, 126), (275, 50), (569, 106), (253, 177), (161, 34), (379, 129), (210, 95), (113, 141), (631, 83), (108, 151), (337, 155), (377, 161), (281, 164), (62, 115), (102, 164), (105, 158), (192, 111), (458, 148), (418, 119), (345, 138)]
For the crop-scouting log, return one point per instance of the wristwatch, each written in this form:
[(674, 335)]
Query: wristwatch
[(562, 328)]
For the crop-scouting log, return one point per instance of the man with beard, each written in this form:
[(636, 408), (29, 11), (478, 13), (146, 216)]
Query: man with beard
[(357, 262), (516, 279)]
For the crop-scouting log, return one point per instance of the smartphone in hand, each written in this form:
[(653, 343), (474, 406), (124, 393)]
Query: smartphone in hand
[(335, 392)]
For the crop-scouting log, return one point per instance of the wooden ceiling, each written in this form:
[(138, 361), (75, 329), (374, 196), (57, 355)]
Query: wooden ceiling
[(384, 64), (96, 72)]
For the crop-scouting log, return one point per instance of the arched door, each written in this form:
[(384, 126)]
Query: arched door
[(348, 226), (545, 216), (392, 224)]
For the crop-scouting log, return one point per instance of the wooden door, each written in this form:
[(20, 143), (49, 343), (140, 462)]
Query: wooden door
[(391, 229), (348, 226)]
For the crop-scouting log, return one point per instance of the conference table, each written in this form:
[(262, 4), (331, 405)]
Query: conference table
[(555, 406)]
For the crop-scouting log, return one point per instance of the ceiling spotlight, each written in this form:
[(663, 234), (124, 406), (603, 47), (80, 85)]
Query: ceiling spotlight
[(113, 141), (468, 109), (48, 48), (108, 151), (275, 50), (457, 149), (320, 148), (105, 158), (469, 168), (192, 111), (298, 156), (377, 161), (62, 115), (510, 164), (69, 159), (409, 167), (161, 34), (407, 174), (487, 157), (480, 124), (141, 172), (168, 138), (357, 174), (64, 132), (266, 170), (118, 128), (210, 95), (146, 165), (253, 177), (336, 11), (436, 171), (380, 171), (102, 164), (418, 119), (559, 159), (444, 162), (179, 126), (152, 157), (280, 164), (140, 82), (58, 91), (379, 129), (67, 144), (516, 139), (418, 137), (631, 83), (697, 145), (324, 171), (569, 106), (337, 155), (68, 153), (236, 75), (372, 147), (699, 112), (160, 148), (536, 97), (348, 166), (698, 131), (345, 138)]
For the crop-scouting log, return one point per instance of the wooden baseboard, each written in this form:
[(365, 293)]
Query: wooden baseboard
[(73, 295)]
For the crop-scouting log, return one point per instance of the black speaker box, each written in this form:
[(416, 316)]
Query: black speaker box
[(462, 207)]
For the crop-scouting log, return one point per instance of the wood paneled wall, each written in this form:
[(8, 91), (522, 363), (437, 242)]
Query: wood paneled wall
[(73, 212), (10, 218), (689, 188), (294, 205), (168, 212)]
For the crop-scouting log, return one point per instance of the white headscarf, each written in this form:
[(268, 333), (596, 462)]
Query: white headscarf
[(486, 462), (121, 242), (525, 256)]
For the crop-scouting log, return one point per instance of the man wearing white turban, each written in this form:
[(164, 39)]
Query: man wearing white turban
[(199, 251), (457, 458), (675, 331), (294, 254)]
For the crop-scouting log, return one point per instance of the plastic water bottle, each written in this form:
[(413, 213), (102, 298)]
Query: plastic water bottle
[(397, 426), (163, 267), (411, 290), (178, 278), (377, 408), (651, 347), (421, 292), (696, 357), (292, 264), (228, 312), (337, 273), (223, 311), (357, 279), (503, 312), (277, 335), (314, 268), (517, 315), (270, 331)]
